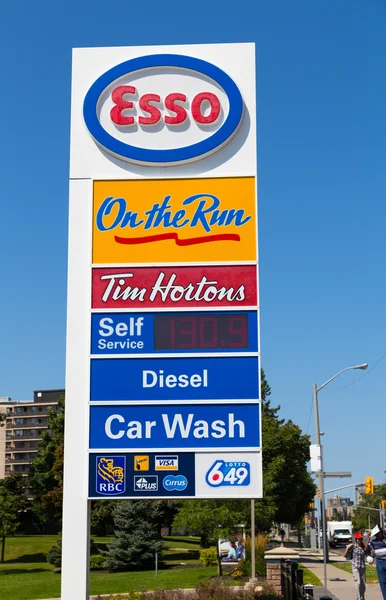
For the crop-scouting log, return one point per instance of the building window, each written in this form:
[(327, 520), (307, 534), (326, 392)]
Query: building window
[(32, 455), (34, 409), (21, 409), (50, 407), (19, 421), (20, 468), (33, 420), (9, 410), (19, 444), (19, 432)]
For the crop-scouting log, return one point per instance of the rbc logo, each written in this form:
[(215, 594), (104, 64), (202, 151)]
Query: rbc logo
[(111, 475)]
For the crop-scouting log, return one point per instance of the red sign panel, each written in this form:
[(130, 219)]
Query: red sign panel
[(174, 287)]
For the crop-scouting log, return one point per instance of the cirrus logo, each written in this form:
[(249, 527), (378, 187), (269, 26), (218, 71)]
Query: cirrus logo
[(176, 483), (163, 109)]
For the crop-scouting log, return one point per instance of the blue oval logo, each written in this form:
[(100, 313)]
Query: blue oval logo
[(164, 156), (176, 483)]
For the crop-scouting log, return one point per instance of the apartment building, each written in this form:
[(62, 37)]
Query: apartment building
[(339, 506), (3, 412), (24, 426)]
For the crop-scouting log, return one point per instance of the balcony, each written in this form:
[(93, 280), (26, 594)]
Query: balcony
[(27, 424), (18, 461), (28, 434), (19, 446)]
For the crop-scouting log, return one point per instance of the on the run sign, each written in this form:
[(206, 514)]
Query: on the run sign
[(163, 349)]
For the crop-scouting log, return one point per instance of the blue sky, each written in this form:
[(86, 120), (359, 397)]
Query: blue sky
[(322, 149)]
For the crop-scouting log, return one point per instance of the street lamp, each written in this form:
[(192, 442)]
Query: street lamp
[(317, 389)]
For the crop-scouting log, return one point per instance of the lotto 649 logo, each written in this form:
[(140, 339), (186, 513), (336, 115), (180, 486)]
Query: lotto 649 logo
[(224, 473)]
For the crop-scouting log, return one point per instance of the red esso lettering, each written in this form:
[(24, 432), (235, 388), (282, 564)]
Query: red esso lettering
[(119, 114)]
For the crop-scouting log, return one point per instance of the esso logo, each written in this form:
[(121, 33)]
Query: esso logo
[(150, 104), (163, 109)]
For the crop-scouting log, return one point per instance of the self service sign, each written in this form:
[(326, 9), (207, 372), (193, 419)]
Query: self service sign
[(163, 349)]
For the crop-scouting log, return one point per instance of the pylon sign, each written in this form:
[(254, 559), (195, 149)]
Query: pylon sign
[(163, 353)]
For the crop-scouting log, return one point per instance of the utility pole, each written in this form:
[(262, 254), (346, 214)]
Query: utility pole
[(321, 487)]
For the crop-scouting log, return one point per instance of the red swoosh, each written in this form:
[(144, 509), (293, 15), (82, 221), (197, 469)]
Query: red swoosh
[(221, 237)]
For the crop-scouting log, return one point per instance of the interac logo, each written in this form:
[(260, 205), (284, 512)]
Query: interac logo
[(111, 475), (141, 463)]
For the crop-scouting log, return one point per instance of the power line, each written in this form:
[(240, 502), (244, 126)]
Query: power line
[(309, 418), (361, 377)]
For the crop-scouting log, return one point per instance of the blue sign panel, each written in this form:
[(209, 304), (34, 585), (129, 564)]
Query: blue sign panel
[(216, 378), (144, 475), (195, 426), (145, 333)]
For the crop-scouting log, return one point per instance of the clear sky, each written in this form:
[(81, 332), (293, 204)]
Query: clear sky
[(322, 185)]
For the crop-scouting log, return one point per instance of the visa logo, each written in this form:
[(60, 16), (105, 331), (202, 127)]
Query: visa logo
[(166, 463)]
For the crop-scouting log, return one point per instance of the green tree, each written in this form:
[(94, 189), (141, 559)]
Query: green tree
[(336, 515), (288, 487), (136, 537), (361, 517), (102, 516), (46, 471), (211, 519), (13, 505)]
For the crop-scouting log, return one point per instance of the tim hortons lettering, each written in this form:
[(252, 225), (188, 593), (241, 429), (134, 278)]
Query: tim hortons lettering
[(174, 287)]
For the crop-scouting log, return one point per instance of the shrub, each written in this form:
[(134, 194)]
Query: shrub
[(97, 562), (237, 573), (261, 542), (208, 557), (267, 592), (214, 590), (54, 554)]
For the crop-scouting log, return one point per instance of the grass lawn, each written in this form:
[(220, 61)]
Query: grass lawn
[(371, 572), (189, 542), (26, 575), (309, 577)]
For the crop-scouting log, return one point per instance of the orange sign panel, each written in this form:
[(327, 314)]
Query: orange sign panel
[(174, 220)]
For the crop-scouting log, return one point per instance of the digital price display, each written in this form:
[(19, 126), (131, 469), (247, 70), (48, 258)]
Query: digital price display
[(167, 332), (200, 331)]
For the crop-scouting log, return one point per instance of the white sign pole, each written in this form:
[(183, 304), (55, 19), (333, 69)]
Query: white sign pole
[(76, 531)]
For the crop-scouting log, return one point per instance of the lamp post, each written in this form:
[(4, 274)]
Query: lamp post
[(317, 389)]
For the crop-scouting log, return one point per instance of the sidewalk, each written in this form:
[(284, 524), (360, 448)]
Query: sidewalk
[(339, 583)]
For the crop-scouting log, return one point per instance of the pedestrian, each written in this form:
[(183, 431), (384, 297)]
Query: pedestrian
[(378, 550), (282, 535), (231, 554), (357, 554)]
